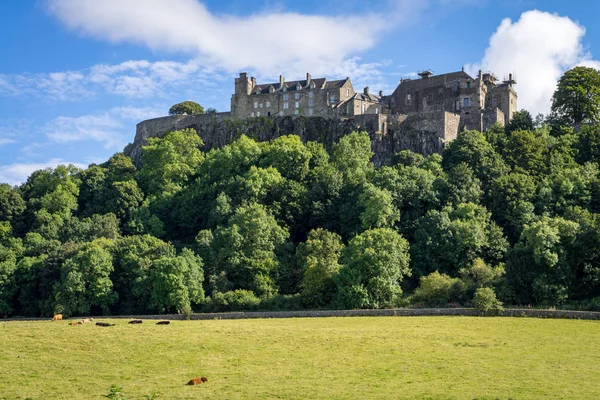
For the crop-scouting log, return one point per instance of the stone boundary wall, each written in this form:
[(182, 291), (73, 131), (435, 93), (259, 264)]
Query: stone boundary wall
[(397, 312)]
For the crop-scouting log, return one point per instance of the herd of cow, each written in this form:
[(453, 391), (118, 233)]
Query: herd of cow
[(59, 317)]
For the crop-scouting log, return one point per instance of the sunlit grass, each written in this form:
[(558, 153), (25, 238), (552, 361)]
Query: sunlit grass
[(309, 358)]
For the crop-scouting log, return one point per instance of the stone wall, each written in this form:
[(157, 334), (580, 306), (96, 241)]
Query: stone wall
[(424, 133)]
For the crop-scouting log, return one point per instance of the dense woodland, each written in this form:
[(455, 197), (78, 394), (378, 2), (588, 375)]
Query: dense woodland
[(509, 215)]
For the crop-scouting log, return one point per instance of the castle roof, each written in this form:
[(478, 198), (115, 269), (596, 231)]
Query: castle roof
[(433, 80), (320, 83)]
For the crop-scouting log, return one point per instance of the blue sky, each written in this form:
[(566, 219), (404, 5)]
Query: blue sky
[(77, 75)]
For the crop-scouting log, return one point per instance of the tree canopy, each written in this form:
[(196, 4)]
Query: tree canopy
[(577, 96), (186, 108)]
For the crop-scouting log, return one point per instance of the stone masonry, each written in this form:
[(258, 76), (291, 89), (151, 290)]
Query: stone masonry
[(421, 115)]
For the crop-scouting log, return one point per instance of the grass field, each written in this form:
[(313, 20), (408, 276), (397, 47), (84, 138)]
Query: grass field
[(310, 358)]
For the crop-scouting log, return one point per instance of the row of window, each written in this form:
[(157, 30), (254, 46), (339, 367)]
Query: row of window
[(297, 112)]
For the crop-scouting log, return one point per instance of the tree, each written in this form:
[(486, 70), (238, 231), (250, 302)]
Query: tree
[(85, 281), (319, 259), (245, 248), (352, 156), (170, 161), (453, 238), (577, 96), (375, 262), (177, 282), (186, 108), (521, 121), (12, 204)]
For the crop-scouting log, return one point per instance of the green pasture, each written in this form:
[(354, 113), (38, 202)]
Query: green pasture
[(306, 358)]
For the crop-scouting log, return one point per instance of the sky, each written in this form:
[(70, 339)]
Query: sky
[(76, 76)]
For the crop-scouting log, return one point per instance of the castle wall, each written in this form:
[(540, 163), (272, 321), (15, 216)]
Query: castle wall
[(389, 134)]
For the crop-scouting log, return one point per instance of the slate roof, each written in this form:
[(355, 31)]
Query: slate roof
[(291, 85)]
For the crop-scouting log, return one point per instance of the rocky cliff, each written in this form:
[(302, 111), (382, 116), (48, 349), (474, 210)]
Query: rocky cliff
[(389, 134)]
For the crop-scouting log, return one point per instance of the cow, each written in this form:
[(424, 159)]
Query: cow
[(104, 324), (198, 381), (57, 317), (163, 322), (74, 323), (135, 321)]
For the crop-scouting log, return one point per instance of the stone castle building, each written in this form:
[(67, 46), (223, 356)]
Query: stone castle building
[(473, 103), (422, 115)]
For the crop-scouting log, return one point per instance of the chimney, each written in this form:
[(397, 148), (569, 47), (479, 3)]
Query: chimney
[(366, 90), (281, 81), (308, 79), (480, 75), (381, 93), (253, 79)]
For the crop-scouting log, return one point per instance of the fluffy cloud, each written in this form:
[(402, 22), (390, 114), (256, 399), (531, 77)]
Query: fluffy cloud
[(266, 41), (17, 173), (110, 128), (132, 79), (538, 49)]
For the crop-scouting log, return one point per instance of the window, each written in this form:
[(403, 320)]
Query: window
[(281, 113), (468, 84), (455, 87), (297, 104), (310, 94), (257, 91), (297, 111), (332, 98), (457, 105), (376, 110), (256, 104), (466, 102), (310, 103), (286, 97), (364, 107), (312, 85), (494, 102), (252, 114), (347, 92), (258, 113), (285, 88), (310, 111), (408, 99), (297, 96), (268, 104), (260, 105), (286, 105), (298, 87)]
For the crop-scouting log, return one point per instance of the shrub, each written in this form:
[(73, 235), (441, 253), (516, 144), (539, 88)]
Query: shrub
[(280, 302), (485, 301), (236, 300), (438, 289)]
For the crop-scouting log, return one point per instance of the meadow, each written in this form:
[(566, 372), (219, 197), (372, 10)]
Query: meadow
[(305, 358)]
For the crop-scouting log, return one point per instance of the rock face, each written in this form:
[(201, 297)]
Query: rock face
[(424, 134)]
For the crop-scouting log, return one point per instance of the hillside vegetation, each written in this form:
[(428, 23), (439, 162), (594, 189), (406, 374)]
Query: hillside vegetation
[(508, 216)]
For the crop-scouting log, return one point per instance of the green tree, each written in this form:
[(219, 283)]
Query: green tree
[(12, 204), (85, 281), (186, 108), (374, 264), (176, 282), (352, 156), (521, 121), (485, 301), (170, 161), (451, 239), (438, 289), (245, 248), (577, 96), (319, 259), (288, 155)]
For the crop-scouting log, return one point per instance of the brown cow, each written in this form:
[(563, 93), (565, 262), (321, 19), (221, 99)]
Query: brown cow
[(198, 381), (135, 321), (74, 323), (57, 317)]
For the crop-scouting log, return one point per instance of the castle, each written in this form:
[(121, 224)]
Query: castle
[(478, 102), (422, 115)]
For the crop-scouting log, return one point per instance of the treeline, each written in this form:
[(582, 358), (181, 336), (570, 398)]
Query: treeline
[(507, 215)]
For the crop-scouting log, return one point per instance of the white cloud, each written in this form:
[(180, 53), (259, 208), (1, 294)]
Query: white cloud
[(266, 41), (538, 49), (4, 141), (132, 79), (17, 173), (111, 128)]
